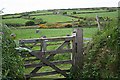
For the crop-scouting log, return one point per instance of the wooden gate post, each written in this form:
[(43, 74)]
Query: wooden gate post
[(77, 54)]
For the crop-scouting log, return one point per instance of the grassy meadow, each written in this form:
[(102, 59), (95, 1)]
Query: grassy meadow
[(54, 18), (15, 21), (31, 33)]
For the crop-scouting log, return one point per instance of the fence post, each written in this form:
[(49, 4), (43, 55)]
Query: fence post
[(98, 22), (77, 55)]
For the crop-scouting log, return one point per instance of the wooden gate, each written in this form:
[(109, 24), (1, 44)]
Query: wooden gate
[(39, 51)]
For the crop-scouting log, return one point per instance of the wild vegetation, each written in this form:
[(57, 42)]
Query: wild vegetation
[(101, 58), (12, 64)]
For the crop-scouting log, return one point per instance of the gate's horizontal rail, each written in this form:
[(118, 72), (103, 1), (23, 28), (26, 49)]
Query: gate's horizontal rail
[(46, 73), (53, 51), (46, 52), (50, 44), (40, 64), (38, 40)]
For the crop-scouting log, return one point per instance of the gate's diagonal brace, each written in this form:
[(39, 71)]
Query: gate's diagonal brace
[(49, 57), (63, 45), (37, 68), (44, 60), (59, 48), (33, 45)]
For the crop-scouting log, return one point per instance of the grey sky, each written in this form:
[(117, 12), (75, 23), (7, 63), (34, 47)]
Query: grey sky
[(15, 6)]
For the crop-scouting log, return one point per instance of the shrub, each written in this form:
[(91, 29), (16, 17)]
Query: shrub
[(29, 23), (102, 54), (74, 12), (64, 13), (12, 65), (42, 26)]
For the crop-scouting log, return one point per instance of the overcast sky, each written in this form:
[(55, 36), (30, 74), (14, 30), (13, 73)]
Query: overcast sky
[(16, 6)]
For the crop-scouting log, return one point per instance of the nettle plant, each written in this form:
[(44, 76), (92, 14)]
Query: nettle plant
[(12, 64)]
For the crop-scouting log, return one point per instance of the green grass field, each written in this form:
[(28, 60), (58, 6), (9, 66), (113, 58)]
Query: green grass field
[(54, 18), (106, 14), (11, 16), (30, 33), (15, 21), (70, 12)]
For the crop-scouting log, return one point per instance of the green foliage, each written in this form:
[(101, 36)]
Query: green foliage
[(101, 55), (30, 23), (74, 12), (64, 13), (12, 65)]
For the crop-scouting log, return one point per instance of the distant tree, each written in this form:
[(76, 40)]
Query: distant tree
[(64, 13), (25, 14), (74, 12)]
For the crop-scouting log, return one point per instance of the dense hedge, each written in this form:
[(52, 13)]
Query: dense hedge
[(12, 65), (101, 58)]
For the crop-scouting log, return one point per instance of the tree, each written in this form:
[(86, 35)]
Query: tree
[(74, 12), (64, 13)]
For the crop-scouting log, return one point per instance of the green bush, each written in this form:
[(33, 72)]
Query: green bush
[(102, 54), (74, 12), (30, 23), (64, 13), (12, 64)]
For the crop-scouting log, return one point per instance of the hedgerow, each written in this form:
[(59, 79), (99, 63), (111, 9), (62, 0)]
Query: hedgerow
[(101, 58), (12, 65)]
